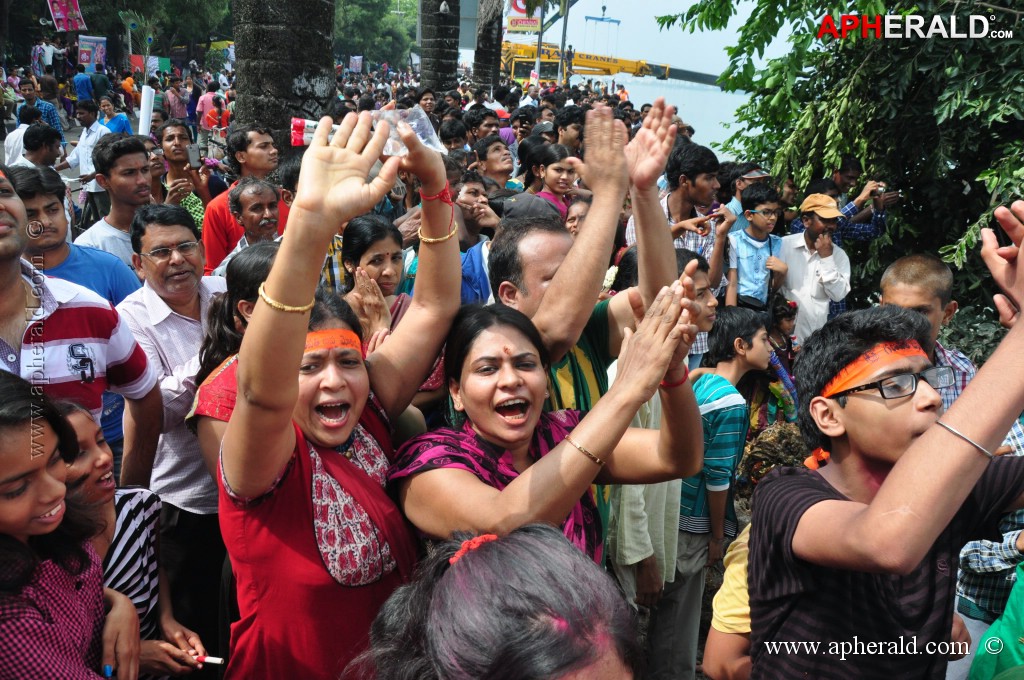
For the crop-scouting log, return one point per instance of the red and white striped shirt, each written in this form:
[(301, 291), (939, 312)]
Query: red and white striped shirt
[(76, 346)]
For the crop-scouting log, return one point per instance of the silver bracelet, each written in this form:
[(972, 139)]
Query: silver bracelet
[(967, 439)]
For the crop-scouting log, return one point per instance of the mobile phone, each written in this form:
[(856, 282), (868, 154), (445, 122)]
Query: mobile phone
[(471, 158), (195, 158)]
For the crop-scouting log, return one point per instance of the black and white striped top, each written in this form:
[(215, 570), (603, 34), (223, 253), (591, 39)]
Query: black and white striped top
[(130, 566)]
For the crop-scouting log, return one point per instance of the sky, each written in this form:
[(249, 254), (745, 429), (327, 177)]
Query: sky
[(639, 36), (709, 110)]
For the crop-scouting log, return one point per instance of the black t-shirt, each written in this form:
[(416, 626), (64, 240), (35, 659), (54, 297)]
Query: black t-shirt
[(792, 600)]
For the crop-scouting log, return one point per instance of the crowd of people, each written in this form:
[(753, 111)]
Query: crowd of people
[(322, 413)]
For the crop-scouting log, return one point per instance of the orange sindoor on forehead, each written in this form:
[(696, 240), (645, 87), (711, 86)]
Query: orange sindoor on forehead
[(879, 356), (333, 338), (507, 350)]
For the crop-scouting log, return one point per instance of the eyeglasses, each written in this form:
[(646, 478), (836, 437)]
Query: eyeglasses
[(905, 384), (768, 214), (161, 255)]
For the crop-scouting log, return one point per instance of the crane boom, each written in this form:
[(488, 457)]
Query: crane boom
[(518, 59)]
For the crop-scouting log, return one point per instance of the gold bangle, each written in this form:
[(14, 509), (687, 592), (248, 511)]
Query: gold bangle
[(582, 450), (452, 229), (281, 307)]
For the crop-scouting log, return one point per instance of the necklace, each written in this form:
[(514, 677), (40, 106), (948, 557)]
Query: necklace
[(345, 449)]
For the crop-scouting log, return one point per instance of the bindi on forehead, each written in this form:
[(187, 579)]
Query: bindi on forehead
[(507, 350)]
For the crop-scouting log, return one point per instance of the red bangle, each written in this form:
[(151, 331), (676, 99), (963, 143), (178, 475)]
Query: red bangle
[(444, 195), (667, 386)]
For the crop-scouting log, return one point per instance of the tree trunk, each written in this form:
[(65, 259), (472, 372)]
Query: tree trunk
[(487, 57), (5, 26), (283, 66), (440, 44)]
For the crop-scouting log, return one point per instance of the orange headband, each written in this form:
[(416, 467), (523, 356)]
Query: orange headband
[(333, 338), (882, 354)]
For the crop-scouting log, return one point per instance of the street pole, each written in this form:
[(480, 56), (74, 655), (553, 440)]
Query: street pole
[(565, 27), (540, 41)]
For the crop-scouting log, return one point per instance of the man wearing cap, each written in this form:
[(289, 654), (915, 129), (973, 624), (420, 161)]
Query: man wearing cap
[(545, 129), (746, 174), (819, 271)]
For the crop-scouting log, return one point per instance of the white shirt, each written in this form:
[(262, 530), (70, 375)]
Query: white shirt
[(13, 145), (171, 343), (81, 156), (48, 51), (104, 236), (527, 101), (812, 281)]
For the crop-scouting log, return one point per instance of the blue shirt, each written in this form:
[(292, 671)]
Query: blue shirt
[(108, 276), (49, 112), (118, 123), (99, 271), (736, 208), (723, 415), (749, 257), (83, 86)]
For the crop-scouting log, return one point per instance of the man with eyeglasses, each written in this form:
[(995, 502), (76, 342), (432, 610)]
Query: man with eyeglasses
[(166, 316), (924, 283), (864, 549), (818, 271)]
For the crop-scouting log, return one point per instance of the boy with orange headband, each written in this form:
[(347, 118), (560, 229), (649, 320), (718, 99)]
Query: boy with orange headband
[(856, 561)]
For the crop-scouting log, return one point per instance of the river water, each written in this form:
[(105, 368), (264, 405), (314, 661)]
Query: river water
[(707, 109)]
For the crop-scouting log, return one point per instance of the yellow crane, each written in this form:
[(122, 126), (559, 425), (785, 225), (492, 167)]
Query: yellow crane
[(519, 59)]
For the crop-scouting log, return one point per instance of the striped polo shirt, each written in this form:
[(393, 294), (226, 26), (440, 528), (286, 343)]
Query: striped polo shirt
[(76, 346)]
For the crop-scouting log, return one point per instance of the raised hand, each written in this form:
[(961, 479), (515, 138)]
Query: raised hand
[(1003, 262), (332, 183), (605, 171), (647, 153), (649, 352), (425, 163)]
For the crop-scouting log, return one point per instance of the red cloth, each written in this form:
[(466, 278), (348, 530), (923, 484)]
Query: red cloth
[(297, 621), (221, 231)]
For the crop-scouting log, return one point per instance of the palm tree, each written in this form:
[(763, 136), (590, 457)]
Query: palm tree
[(487, 57), (284, 66), (439, 21)]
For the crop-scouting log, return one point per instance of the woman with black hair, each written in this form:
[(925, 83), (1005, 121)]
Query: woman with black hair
[(504, 608), (128, 548), (316, 543), (52, 599), (510, 464)]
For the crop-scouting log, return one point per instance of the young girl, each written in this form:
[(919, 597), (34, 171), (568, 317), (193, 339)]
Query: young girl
[(127, 545), (52, 598), (557, 174), (772, 394), (781, 332)]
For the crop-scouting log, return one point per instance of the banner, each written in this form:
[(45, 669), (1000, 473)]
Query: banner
[(523, 24), (67, 16), (92, 50), (355, 64)]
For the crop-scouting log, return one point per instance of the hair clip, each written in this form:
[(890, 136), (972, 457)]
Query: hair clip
[(471, 544)]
